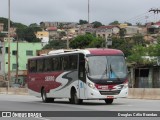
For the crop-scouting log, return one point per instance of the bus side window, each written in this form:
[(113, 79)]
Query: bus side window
[(40, 65), (73, 61), (48, 65), (32, 66), (65, 62), (56, 62)]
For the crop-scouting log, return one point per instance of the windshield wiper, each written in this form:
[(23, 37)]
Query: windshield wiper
[(113, 74), (104, 73)]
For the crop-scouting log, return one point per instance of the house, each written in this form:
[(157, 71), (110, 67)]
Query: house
[(153, 29), (1, 27), (69, 34), (25, 50), (43, 36), (105, 31), (144, 80), (53, 34), (132, 30), (56, 24), (85, 28)]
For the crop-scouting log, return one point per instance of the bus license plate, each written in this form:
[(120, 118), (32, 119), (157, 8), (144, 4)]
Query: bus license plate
[(110, 97)]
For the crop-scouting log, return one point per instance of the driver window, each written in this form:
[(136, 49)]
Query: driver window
[(81, 73)]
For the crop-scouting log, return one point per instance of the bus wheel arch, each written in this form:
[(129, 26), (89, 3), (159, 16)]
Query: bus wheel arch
[(42, 88), (45, 99), (74, 98), (43, 95)]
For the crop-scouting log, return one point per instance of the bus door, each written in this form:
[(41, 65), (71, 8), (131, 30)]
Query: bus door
[(82, 76)]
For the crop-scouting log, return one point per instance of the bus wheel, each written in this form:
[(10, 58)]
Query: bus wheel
[(71, 101), (44, 97), (108, 101), (76, 100)]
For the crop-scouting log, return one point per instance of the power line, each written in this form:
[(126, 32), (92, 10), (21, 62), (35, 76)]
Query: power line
[(155, 11), (144, 17), (137, 16)]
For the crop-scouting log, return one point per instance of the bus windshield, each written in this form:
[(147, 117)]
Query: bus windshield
[(106, 67)]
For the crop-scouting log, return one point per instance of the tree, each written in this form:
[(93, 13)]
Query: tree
[(56, 44), (136, 54), (62, 33), (5, 22), (86, 41), (60, 26), (138, 39), (153, 50), (121, 44), (42, 24), (34, 25), (20, 30), (139, 24), (81, 41), (20, 33), (114, 23), (129, 24), (97, 43), (96, 24), (29, 34), (158, 39), (19, 26), (122, 32), (81, 22)]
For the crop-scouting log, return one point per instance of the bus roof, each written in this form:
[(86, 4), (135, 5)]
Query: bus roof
[(101, 51), (89, 51)]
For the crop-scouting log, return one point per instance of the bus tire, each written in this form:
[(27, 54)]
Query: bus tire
[(108, 101), (76, 100), (71, 100), (45, 99)]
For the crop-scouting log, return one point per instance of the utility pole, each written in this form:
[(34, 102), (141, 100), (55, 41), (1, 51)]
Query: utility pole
[(9, 73), (67, 40), (88, 11), (67, 37), (155, 10), (17, 62), (108, 41)]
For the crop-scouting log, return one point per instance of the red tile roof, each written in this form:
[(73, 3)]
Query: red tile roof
[(157, 23), (108, 27), (52, 28)]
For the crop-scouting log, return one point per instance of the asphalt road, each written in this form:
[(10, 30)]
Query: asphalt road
[(31, 103)]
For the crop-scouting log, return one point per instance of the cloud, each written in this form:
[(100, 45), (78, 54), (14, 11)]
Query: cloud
[(105, 11)]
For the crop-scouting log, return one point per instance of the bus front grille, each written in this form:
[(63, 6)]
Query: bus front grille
[(115, 92)]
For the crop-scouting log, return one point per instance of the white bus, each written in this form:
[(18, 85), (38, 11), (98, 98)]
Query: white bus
[(89, 74)]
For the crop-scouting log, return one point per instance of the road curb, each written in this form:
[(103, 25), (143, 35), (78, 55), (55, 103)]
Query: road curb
[(17, 91)]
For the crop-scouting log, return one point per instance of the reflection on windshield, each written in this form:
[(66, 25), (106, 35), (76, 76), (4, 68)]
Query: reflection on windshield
[(107, 67)]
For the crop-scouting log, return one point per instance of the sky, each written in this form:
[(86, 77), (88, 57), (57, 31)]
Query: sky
[(104, 11)]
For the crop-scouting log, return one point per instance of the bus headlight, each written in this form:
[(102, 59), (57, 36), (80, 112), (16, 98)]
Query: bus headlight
[(125, 86), (91, 85)]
